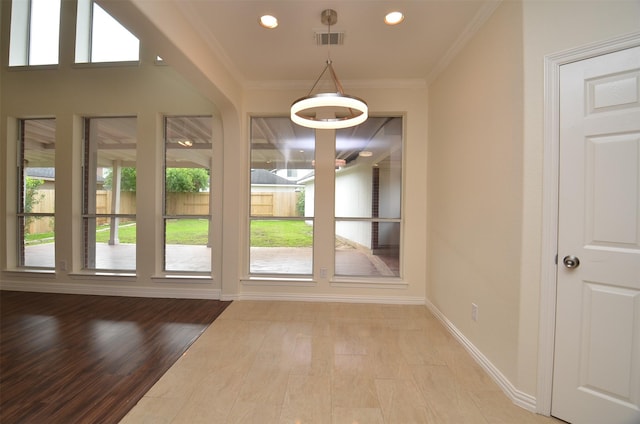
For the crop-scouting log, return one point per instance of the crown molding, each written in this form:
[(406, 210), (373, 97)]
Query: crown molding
[(467, 34)]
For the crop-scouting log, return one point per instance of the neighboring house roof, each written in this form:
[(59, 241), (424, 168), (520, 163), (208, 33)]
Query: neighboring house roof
[(262, 176), (48, 174), (42, 173), (258, 176)]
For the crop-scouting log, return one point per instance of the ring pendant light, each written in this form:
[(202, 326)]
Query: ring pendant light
[(304, 111)]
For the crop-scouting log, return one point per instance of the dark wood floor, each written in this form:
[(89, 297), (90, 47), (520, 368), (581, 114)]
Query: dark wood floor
[(89, 359)]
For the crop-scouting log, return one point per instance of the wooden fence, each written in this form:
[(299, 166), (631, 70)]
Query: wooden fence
[(43, 202), (187, 203), (262, 204), (274, 204)]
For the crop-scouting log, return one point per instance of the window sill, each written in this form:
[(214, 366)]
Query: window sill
[(183, 278), (21, 68), (278, 281), (123, 64), (378, 283), (103, 274), (35, 272)]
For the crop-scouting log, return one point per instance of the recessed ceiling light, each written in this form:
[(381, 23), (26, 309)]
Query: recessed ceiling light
[(393, 18), (366, 153), (268, 21)]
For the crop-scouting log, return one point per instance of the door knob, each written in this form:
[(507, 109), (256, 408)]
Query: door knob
[(571, 261)]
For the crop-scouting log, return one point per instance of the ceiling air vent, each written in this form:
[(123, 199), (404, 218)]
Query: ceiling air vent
[(325, 38)]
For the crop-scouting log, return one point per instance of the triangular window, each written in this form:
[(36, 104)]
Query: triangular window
[(100, 38)]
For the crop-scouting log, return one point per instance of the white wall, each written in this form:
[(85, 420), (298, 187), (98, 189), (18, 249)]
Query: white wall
[(68, 93), (309, 198), (353, 191), (354, 186), (353, 199), (208, 73), (551, 27), (484, 164), (392, 99), (475, 188), (486, 173)]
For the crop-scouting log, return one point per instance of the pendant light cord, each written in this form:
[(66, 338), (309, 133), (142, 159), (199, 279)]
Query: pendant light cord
[(329, 40)]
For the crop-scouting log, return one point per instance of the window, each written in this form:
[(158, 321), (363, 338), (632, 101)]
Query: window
[(281, 216), (36, 177), (35, 32), (285, 190), (187, 196), (368, 197), (100, 38), (109, 203)]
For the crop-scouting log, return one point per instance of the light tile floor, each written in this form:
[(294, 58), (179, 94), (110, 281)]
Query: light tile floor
[(301, 362)]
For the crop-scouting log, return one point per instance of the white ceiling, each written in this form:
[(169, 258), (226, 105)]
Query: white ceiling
[(416, 49), (432, 31)]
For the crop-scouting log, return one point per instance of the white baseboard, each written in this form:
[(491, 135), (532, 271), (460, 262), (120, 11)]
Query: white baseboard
[(112, 290), (518, 397)]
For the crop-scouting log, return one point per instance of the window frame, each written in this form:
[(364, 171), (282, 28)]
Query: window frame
[(302, 277), (84, 54), (20, 38), (377, 218), (326, 218), (21, 215), (87, 216), (166, 216)]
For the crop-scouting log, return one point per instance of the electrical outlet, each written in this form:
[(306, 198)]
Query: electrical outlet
[(323, 272), (62, 265), (474, 312)]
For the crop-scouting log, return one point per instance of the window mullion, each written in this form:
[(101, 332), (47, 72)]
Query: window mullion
[(324, 240)]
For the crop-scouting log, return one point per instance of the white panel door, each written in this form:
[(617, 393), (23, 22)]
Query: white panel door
[(596, 375)]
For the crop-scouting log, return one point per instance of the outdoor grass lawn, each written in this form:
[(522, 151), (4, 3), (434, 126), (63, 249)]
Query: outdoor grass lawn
[(281, 233), (264, 233), (178, 231), (187, 231)]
